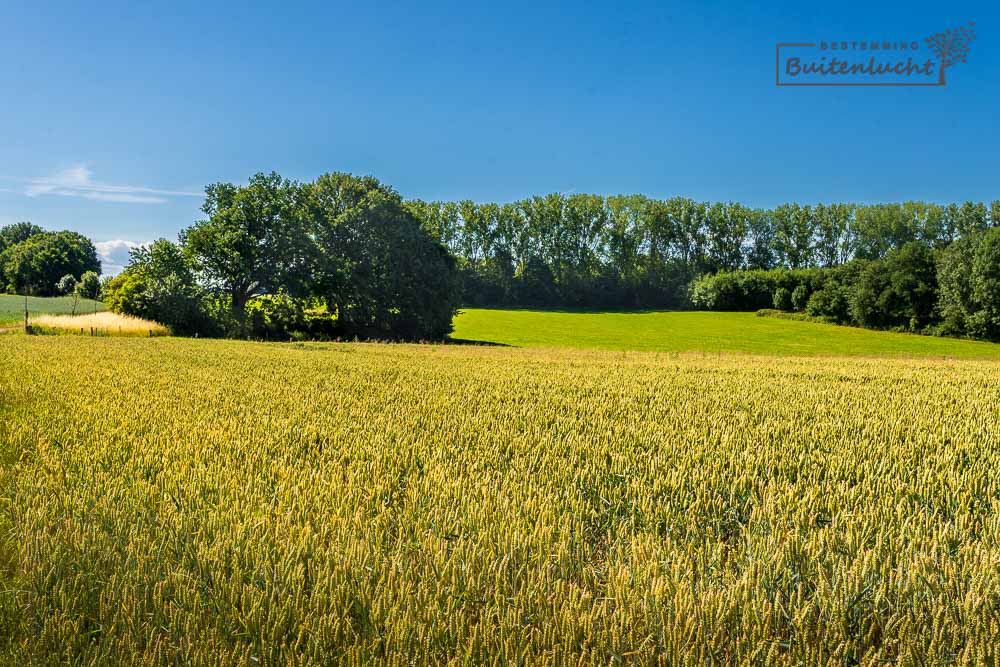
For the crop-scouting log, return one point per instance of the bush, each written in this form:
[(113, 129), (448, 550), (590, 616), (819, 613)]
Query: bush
[(913, 285), (123, 294), (90, 285), (898, 291), (830, 303), (869, 295), (275, 317), (320, 323), (158, 284), (749, 290), (800, 296), (66, 285), (782, 299)]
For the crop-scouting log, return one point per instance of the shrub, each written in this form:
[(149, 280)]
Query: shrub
[(800, 296), (831, 303), (749, 290), (123, 294), (275, 317), (913, 285), (782, 299), (869, 296), (90, 285), (158, 284), (898, 291), (320, 323), (66, 284)]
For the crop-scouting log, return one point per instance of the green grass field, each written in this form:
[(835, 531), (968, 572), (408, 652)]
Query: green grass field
[(12, 307), (701, 332)]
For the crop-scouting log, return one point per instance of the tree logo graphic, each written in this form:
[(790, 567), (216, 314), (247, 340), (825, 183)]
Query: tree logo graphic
[(951, 47)]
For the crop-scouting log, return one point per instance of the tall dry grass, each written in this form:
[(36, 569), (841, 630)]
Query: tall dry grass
[(104, 324)]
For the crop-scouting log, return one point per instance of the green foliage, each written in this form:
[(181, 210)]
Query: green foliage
[(159, 284), (869, 301), (954, 272), (800, 296), (123, 294), (537, 285), (984, 321), (282, 317), (899, 291), (385, 276), (633, 251), (275, 317), (254, 240), (782, 299), (19, 232), (90, 285), (832, 302), (42, 259), (913, 281), (749, 290), (66, 285), (344, 242)]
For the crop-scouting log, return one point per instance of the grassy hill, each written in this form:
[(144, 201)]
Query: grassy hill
[(700, 332), (12, 307)]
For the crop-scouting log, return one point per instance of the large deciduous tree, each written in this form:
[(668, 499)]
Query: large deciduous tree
[(37, 263), (382, 272), (19, 232), (254, 241)]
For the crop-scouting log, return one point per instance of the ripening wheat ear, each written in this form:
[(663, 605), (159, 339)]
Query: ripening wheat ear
[(226, 503)]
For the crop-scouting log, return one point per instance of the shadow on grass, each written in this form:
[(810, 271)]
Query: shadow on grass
[(579, 311), (481, 343)]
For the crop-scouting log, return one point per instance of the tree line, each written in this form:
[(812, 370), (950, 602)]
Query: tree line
[(953, 290), (348, 256), (633, 251), (337, 257)]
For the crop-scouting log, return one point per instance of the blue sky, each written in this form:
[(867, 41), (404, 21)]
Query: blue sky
[(116, 115)]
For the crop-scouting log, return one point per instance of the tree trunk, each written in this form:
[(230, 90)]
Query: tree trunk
[(239, 303)]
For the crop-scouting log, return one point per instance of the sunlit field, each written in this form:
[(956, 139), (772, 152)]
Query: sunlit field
[(687, 331), (173, 501), (12, 307)]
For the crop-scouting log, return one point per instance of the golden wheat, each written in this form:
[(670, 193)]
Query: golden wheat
[(194, 502), (104, 323)]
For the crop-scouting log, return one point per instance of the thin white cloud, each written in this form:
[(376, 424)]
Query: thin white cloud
[(77, 181), (114, 254)]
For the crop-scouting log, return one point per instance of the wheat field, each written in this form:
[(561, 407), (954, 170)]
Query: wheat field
[(172, 501)]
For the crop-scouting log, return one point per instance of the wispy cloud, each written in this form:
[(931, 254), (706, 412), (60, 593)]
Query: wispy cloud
[(77, 181), (114, 254)]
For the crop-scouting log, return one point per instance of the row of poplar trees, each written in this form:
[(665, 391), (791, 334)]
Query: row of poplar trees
[(634, 251)]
